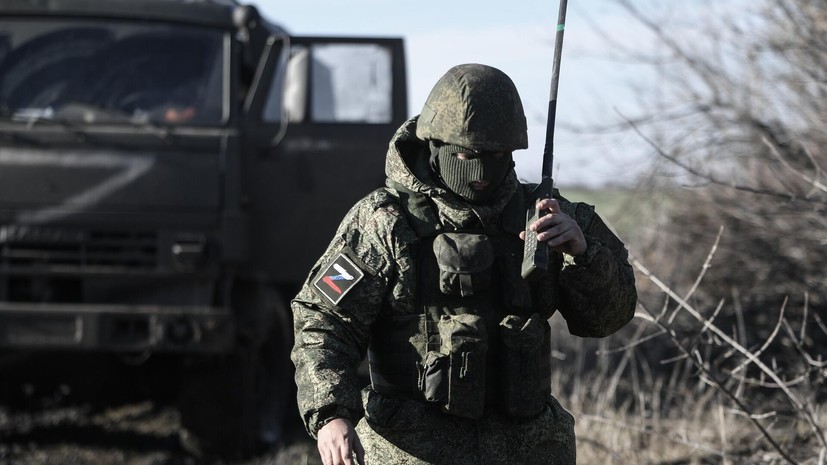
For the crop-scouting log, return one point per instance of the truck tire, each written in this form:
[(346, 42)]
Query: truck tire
[(235, 406)]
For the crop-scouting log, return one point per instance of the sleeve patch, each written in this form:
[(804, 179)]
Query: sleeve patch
[(338, 278)]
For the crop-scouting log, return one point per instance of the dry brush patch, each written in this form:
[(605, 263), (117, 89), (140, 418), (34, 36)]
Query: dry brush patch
[(726, 360), (678, 388)]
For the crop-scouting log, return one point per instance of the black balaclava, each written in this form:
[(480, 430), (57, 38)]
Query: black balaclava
[(457, 174)]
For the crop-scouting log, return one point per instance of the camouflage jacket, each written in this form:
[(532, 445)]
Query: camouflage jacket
[(371, 259)]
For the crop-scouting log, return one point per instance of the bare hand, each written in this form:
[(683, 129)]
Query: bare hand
[(338, 441), (558, 230)]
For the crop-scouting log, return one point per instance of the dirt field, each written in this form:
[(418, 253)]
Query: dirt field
[(99, 411), (142, 433)]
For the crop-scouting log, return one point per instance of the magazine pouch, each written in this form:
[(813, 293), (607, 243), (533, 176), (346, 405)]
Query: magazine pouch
[(464, 343)]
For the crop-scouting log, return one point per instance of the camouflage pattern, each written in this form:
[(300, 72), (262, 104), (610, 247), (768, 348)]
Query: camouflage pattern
[(406, 432), (476, 107), (594, 292)]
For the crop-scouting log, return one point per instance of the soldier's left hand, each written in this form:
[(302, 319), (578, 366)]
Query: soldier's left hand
[(558, 229)]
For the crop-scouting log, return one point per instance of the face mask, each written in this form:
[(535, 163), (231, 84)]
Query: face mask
[(466, 177)]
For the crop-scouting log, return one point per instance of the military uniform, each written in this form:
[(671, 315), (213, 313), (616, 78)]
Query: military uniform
[(429, 284)]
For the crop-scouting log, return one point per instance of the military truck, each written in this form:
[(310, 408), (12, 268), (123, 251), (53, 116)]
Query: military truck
[(169, 171)]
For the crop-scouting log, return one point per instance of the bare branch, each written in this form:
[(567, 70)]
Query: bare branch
[(715, 382), (710, 178), (774, 149), (757, 382), (702, 273), (820, 323), (771, 373), (635, 343), (767, 342), (800, 348)]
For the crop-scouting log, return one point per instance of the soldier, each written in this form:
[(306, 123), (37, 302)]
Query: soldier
[(424, 277)]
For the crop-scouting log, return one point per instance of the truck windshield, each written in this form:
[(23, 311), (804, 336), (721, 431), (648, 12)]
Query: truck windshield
[(84, 71)]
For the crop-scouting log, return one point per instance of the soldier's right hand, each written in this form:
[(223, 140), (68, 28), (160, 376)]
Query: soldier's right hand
[(337, 443)]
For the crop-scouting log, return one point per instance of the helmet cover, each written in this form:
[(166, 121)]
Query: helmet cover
[(477, 107)]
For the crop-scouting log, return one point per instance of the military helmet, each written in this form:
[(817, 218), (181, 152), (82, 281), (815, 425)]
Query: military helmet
[(477, 107)]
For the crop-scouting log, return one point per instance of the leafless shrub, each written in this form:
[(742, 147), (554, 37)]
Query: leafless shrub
[(735, 350), (751, 147), (713, 399), (794, 383)]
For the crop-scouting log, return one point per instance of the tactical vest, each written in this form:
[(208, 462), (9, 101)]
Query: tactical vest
[(475, 344)]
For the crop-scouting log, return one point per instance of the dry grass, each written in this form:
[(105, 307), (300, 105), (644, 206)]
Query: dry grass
[(624, 416), (707, 432)]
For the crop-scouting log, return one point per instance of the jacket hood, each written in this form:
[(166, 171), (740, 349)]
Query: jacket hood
[(406, 167)]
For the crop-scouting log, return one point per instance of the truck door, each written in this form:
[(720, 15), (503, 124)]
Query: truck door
[(333, 106)]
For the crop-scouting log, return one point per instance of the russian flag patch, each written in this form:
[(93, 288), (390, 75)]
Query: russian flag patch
[(338, 278)]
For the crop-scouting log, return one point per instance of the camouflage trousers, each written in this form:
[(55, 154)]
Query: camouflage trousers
[(405, 432)]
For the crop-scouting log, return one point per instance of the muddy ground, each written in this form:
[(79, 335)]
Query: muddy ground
[(139, 433), (107, 413)]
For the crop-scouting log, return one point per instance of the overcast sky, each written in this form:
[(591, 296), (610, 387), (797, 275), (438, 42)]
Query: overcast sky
[(518, 38)]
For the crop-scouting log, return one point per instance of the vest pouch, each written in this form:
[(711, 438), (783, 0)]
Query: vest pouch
[(525, 365), (465, 341), (464, 263), (435, 376)]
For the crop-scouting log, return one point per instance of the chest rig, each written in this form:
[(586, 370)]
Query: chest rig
[(475, 343)]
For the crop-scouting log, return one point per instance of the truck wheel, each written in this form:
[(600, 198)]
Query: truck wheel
[(234, 406)]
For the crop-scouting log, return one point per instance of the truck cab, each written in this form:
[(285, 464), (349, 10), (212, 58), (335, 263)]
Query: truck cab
[(169, 171)]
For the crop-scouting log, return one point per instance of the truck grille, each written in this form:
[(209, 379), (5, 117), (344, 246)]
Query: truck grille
[(45, 247)]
